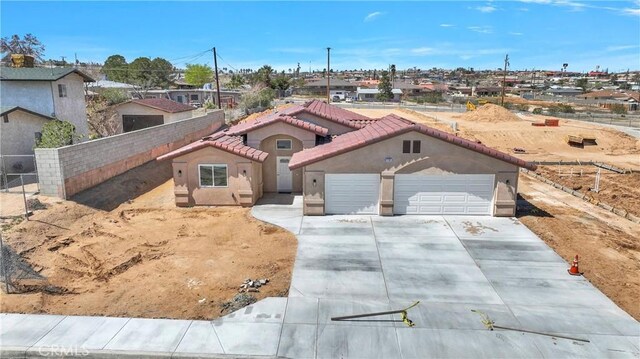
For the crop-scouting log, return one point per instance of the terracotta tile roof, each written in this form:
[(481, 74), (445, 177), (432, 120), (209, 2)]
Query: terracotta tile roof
[(387, 127), (164, 104), (222, 141), (329, 112), (244, 127)]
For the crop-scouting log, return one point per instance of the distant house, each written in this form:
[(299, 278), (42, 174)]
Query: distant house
[(487, 91), (32, 96), (565, 92), (20, 130), (319, 87), (606, 98), (408, 89), (195, 96), (369, 95), (143, 113)]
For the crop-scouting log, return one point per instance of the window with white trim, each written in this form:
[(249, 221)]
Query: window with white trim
[(213, 175), (284, 144)]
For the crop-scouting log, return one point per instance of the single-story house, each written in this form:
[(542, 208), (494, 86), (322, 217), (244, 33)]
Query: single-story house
[(564, 91), (195, 96), (143, 113), (346, 163), (319, 87), (20, 128), (370, 95)]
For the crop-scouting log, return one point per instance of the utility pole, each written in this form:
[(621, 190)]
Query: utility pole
[(504, 77), (215, 65), (328, 75)]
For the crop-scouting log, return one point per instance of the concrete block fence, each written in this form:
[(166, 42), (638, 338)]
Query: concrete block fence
[(68, 170)]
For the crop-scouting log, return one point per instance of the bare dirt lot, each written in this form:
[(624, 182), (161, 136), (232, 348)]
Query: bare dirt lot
[(145, 258), (608, 245), (617, 190)]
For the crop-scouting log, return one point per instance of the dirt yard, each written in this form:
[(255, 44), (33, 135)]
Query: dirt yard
[(608, 245), (617, 190), (145, 258)]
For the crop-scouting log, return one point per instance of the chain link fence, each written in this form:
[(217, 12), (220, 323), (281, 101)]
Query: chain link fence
[(18, 171)]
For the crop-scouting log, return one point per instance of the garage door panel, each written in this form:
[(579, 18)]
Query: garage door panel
[(352, 193), (445, 194)]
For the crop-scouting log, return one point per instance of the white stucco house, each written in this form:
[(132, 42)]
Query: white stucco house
[(31, 96)]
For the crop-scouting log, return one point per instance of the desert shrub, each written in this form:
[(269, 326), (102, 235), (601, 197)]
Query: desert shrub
[(618, 109), (537, 111)]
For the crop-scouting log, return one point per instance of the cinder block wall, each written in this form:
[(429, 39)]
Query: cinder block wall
[(68, 170)]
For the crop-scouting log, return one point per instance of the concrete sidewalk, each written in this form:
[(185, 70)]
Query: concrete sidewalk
[(357, 264)]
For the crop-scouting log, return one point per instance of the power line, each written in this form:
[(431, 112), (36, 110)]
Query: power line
[(225, 61)]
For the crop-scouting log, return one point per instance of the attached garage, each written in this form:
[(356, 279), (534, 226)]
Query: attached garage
[(352, 193), (395, 166), (443, 194)]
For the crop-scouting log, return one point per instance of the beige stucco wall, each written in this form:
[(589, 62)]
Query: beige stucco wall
[(243, 179), (436, 157), (17, 137), (73, 107), (269, 170), (255, 137), (333, 127), (131, 108)]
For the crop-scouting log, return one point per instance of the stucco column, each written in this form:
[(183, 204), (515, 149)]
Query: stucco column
[(180, 179), (506, 195), (245, 192), (313, 193), (386, 193)]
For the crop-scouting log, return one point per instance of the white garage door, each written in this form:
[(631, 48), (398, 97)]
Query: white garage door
[(446, 194), (352, 193)]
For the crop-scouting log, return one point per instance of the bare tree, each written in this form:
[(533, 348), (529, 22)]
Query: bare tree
[(28, 45)]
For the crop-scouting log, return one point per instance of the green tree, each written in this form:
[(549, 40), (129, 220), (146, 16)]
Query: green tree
[(162, 72), (198, 75), (281, 84), (141, 73), (384, 86), (56, 134), (393, 75), (257, 100), (116, 68), (236, 82), (263, 76), (583, 84), (27, 45)]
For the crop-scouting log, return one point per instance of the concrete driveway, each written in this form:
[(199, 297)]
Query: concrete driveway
[(452, 264), (356, 264)]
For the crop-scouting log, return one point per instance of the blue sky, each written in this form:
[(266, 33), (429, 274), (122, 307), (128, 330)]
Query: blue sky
[(539, 34)]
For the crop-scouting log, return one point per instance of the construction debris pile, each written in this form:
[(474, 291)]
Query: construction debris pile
[(250, 285)]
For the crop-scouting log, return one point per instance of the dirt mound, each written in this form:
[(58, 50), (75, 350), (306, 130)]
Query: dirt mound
[(490, 113)]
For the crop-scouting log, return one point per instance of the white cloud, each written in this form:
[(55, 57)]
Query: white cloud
[(515, 33), (628, 11), (373, 16), (447, 25), (481, 29), (422, 51), (620, 48), (580, 6), (486, 9)]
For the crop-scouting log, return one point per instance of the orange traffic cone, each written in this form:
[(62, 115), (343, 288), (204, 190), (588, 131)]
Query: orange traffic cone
[(574, 267)]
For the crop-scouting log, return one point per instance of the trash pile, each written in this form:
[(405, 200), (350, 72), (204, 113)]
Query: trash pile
[(250, 285)]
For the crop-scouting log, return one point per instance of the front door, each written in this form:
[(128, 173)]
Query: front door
[(285, 180)]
